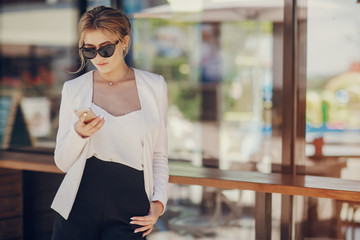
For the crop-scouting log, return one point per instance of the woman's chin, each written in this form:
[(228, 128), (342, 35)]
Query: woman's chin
[(103, 68)]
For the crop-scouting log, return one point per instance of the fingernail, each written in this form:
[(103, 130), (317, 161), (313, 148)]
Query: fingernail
[(85, 114), (131, 222), (135, 231), (132, 218)]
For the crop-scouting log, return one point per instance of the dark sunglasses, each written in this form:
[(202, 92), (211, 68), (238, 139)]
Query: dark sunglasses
[(105, 51)]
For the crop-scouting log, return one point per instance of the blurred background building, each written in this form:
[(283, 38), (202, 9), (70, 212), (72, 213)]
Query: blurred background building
[(225, 63)]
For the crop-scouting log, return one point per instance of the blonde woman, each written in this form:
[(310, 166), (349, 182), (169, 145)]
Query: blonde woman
[(116, 164)]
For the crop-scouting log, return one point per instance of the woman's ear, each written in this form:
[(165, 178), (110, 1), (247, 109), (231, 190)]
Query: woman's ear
[(126, 40)]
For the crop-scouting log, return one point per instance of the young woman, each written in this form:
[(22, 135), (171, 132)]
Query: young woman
[(116, 165)]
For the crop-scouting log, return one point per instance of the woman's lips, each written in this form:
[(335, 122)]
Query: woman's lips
[(101, 64)]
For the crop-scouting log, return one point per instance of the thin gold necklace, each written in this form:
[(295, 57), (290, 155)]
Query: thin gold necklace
[(111, 83)]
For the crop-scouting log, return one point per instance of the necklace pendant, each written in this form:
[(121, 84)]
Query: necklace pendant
[(110, 83)]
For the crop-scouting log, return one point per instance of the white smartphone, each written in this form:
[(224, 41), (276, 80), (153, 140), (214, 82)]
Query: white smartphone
[(89, 116)]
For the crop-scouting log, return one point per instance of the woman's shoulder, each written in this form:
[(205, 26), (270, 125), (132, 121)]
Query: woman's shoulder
[(153, 80), (149, 75)]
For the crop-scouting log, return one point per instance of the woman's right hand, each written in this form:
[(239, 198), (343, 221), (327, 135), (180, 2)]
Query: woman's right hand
[(88, 129)]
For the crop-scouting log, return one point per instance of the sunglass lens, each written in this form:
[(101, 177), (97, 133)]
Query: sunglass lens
[(107, 51), (89, 53)]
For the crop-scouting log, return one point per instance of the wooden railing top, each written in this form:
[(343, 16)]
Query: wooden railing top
[(304, 185)]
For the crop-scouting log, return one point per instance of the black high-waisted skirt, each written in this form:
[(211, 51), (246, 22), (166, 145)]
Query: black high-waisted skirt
[(109, 195)]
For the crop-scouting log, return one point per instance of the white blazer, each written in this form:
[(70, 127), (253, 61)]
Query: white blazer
[(71, 149)]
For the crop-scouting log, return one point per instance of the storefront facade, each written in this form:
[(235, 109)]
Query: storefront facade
[(263, 106)]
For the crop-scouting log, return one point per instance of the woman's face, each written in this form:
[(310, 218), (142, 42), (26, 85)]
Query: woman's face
[(97, 39)]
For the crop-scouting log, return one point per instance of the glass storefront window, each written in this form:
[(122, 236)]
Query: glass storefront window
[(219, 69), (333, 60), (333, 83)]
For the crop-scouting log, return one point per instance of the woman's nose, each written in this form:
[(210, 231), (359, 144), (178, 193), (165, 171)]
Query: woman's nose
[(98, 57)]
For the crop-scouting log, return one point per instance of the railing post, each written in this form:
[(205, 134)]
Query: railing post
[(263, 216)]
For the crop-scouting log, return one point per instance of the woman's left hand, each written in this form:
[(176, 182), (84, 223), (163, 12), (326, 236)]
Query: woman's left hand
[(148, 221)]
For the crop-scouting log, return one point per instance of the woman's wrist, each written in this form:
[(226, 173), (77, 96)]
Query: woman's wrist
[(160, 205), (80, 135)]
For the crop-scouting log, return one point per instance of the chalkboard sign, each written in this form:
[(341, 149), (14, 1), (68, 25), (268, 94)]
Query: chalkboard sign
[(13, 127), (8, 103)]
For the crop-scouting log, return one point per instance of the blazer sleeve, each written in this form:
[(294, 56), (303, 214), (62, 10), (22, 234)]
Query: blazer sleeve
[(69, 144), (160, 155)]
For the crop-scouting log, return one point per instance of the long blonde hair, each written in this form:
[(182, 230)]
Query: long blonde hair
[(107, 20)]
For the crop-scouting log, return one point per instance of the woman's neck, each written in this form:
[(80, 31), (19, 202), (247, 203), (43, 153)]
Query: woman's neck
[(118, 74)]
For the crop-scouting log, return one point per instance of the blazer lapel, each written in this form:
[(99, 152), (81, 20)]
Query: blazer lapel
[(147, 100), (84, 91)]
